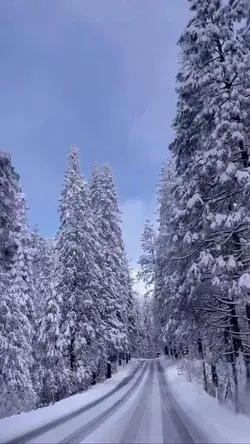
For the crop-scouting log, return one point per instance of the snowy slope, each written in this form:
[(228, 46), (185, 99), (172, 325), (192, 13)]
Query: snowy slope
[(217, 422)]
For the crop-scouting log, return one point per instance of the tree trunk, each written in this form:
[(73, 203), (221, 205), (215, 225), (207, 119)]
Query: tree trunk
[(236, 391), (235, 329), (231, 358), (215, 380), (120, 359), (72, 351), (93, 381), (201, 354), (247, 357), (248, 314), (109, 371)]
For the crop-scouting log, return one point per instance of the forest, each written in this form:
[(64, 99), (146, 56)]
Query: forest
[(68, 307), (202, 255), (68, 310)]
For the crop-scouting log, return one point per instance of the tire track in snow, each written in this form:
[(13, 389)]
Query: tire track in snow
[(177, 427), (81, 433), (137, 422), (36, 433)]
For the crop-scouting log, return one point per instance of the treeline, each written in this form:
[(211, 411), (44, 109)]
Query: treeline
[(200, 257), (68, 311)]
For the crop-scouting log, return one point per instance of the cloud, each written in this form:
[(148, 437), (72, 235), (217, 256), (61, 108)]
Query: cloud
[(101, 76), (145, 33)]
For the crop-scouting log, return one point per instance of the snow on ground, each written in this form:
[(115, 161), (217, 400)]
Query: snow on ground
[(137, 420), (16, 425), (217, 422)]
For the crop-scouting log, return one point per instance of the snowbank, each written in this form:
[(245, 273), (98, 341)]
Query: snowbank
[(17, 425), (217, 422)]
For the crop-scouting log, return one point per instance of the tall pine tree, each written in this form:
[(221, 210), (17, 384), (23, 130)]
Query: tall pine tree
[(17, 292), (78, 281), (116, 277), (210, 224)]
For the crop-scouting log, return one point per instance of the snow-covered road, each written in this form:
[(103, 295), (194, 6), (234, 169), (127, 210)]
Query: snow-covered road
[(141, 411)]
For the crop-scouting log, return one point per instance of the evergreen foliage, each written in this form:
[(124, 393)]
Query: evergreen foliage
[(67, 305)]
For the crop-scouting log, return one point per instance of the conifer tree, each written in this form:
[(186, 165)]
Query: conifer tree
[(42, 260), (210, 225), (147, 260), (47, 351), (140, 346), (115, 271), (78, 282), (17, 313)]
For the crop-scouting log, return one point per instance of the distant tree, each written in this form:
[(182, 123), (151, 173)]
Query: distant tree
[(147, 260)]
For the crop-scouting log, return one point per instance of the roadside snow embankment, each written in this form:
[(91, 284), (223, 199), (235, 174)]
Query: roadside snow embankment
[(217, 422), (18, 425)]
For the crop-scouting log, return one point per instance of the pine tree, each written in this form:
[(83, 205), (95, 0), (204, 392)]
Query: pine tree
[(139, 345), (147, 260), (78, 283), (147, 274), (49, 354), (210, 226), (17, 313), (42, 260), (115, 271), (46, 346), (150, 326), (132, 315), (165, 271)]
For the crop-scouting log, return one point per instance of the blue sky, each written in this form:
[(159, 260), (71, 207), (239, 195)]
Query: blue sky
[(96, 73)]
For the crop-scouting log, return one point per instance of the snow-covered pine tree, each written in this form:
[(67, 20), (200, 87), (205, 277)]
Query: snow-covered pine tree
[(42, 260), (46, 346), (147, 260), (96, 195), (150, 325), (78, 282), (115, 271), (139, 345), (7, 216), (48, 351), (147, 274), (7, 212), (17, 292), (211, 221), (131, 313), (165, 271)]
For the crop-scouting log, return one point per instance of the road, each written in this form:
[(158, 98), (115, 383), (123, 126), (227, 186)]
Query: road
[(141, 411)]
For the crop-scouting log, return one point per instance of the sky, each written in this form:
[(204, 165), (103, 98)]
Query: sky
[(96, 73)]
